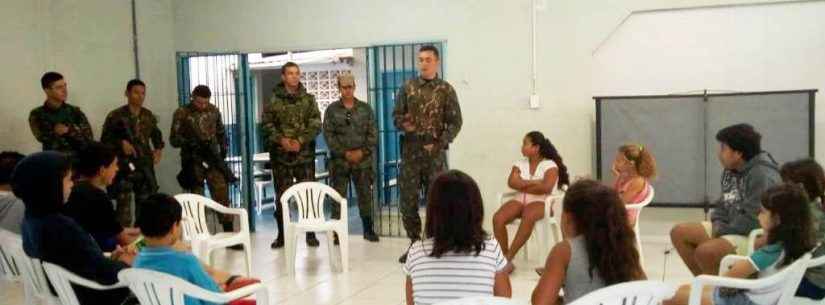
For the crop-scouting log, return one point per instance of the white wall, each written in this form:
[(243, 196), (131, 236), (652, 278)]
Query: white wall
[(487, 59), (158, 68), (90, 43), (744, 48)]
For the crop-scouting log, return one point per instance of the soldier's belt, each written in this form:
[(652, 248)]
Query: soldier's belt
[(424, 138)]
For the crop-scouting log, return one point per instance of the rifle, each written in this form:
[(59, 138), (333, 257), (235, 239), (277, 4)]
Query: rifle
[(47, 126), (213, 157), (147, 170)]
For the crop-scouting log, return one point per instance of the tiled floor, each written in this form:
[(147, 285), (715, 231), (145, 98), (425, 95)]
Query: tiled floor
[(375, 277)]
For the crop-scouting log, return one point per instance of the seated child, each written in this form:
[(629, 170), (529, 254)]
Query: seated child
[(160, 223)]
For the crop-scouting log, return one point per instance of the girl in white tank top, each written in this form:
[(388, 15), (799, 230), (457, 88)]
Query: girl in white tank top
[(533, 179)]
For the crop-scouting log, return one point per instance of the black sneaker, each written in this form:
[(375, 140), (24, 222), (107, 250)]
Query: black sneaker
[(278, 243), (312, 241), (371, 236)]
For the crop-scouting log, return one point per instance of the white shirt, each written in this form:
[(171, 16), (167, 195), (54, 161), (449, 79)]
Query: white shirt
[(541, 169)]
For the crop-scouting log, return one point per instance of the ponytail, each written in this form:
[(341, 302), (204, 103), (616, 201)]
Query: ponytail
[(548, 151), (642, 159)]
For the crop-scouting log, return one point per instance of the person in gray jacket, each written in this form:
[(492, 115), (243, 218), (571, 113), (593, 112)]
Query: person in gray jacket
[(748, 172), (11, 208)]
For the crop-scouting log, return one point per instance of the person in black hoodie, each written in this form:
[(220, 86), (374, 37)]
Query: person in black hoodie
[(43, 182), (748, 172)]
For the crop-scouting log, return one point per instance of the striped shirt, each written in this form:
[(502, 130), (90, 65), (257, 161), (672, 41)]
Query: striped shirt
[(453, 275)]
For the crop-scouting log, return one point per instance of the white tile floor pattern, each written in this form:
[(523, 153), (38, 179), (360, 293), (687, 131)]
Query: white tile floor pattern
[(375, 277)]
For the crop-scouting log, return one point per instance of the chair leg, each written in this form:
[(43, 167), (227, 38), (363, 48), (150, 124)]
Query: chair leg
[(259, 197), (289, 245), (247, 249), (333, 261), (639, 248), (541, 240), (555, 231), (343, 238), (525, 250)]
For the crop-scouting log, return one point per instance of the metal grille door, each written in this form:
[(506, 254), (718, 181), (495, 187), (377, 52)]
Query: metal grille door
[(227, 75)]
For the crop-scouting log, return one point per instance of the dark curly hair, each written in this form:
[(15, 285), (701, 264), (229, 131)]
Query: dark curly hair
[(795, 231), (600, 217), (808, 173), (742, 138)]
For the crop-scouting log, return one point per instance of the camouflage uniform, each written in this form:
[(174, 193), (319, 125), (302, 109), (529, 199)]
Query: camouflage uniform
[(293, 116), (349, 129), (43, 119), (137, 172), (436, 115), (196, 133)]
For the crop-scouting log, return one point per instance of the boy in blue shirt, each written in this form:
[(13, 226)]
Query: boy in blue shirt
[(160, 224)]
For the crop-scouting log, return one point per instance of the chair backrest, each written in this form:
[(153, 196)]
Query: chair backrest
[(62, 280), (8, 269), (786, 281), (157, 288), (194, 207), (650, 194), (488, 300), (630, 293), (791, 283), (309, 198), (190, 229), (31, 269), (554, 203), (816, 261)]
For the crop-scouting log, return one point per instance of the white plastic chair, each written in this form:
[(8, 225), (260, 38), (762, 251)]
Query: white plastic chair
[(786, 280), (8, 269), (309, 197), (196, 229), (260, 188), (35, 286), (629, 293), (157, 288), (638, 208), (814, 262), (547, 229), (62, 281), (487, 300)]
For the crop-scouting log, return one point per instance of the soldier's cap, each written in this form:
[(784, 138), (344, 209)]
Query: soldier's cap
[(346, 79)]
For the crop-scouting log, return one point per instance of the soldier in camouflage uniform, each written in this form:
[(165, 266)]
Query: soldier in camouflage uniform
[(58, 125), (197, 129), (427, 111), (134, 130), (290, 124), (349, 129)]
